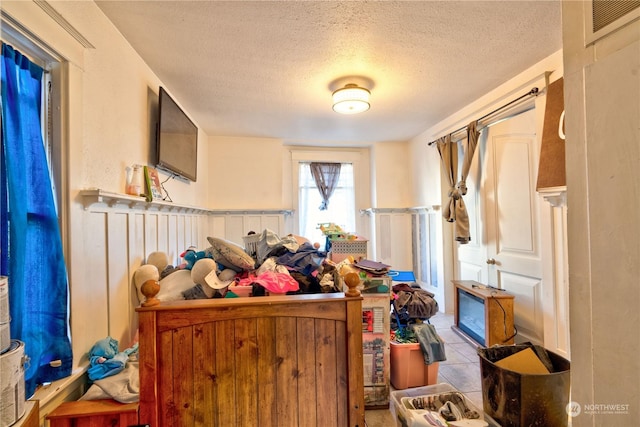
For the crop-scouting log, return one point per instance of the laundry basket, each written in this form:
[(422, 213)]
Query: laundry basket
[(251, 244), (343, 248)]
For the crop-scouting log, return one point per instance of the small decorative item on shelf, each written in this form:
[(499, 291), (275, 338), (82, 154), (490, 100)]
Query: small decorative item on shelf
[(134, 180), (153, 187)]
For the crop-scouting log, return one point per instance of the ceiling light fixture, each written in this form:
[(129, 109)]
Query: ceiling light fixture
[(351, 99)]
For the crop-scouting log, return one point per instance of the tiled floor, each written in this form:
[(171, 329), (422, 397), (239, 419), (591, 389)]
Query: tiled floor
[(461, 370)]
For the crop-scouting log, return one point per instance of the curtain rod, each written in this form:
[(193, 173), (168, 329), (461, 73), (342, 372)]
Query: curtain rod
[(533, 91)]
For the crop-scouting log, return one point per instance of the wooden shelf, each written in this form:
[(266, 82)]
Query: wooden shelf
[(96, 196)]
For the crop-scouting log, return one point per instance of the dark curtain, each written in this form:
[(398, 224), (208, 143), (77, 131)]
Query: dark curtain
[(326, 177), (32, 254)]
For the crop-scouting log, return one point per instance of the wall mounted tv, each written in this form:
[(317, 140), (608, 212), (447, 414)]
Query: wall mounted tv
[(176, 140)]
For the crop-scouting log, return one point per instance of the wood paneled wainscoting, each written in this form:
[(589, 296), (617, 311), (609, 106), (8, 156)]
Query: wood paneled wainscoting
[(292, 360), (118, 234)]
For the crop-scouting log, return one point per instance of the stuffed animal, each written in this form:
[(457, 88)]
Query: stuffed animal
[(206, 279), (183, 265), (106, 360), (171, 285), (191, 257), (199, 280)]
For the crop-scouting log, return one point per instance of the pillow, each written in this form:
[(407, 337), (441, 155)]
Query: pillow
[(172, 286), (230, 255)]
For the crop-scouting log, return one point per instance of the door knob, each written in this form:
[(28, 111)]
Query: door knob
[(491, 261)]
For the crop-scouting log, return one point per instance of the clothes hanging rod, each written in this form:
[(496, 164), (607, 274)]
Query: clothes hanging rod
[(533, 91)]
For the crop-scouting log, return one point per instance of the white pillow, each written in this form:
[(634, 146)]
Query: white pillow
[(172, 286), (230, 255)]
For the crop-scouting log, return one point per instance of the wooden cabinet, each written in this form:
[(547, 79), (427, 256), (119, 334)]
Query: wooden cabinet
[(482, 314), (94, 413)]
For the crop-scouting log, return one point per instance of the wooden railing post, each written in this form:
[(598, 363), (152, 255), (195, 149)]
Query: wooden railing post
[(147, 356), (354, 362)]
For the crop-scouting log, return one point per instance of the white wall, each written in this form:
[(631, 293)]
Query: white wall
[(602, 88), (391, 189), (246, 173), (108, 121), (429, 190), (392, 184)]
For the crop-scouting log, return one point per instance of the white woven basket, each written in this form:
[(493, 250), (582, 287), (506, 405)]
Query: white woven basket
[(251, 244)]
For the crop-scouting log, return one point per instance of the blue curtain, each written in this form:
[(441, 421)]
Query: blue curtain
[(32, 254)]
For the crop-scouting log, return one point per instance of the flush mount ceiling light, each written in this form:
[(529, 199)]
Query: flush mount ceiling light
[(351, 99)]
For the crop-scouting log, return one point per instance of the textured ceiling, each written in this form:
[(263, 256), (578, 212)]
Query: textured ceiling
[(267, 69)]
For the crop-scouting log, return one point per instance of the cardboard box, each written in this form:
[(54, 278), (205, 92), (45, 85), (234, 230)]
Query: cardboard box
[(523, 362)]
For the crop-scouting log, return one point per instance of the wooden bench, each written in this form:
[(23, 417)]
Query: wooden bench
[(94, 413)]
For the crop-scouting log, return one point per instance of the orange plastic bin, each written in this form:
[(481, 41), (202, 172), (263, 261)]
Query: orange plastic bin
[(408, 368)]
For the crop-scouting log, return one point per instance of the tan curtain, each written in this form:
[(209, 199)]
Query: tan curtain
[(462, 234), (449, 157), (456, 210)]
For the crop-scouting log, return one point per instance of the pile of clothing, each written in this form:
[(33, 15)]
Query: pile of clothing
[(290, 265), (411, 303), (412, 306), (113, 374)]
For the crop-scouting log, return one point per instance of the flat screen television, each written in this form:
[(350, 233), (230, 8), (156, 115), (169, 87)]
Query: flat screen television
[(176, 139)]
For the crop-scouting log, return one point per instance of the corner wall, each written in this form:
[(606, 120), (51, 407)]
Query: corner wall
[(602, 88)]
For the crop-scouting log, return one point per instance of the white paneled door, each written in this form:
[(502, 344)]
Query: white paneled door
[(505, 220)]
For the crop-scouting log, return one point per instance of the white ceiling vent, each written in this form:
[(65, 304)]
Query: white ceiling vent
[(608, 15)]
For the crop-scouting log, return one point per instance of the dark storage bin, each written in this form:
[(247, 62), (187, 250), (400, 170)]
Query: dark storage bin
[(514, 399)]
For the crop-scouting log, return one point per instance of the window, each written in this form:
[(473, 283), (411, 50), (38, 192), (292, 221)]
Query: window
[(30, 218), (340, 210)]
